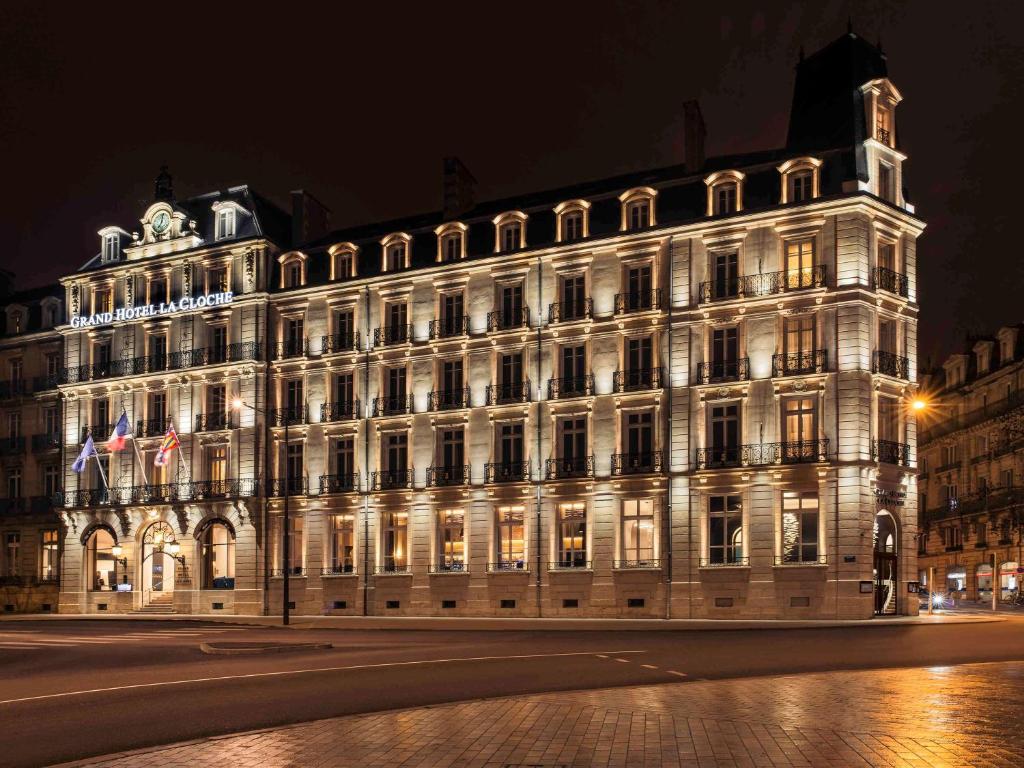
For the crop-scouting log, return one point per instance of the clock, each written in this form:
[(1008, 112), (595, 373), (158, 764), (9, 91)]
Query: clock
[(161, 222)]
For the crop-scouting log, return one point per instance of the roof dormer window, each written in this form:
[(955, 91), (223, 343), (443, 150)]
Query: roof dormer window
[(509, 232), (725, 192), (396, 252), (800, 180), (883, 124), (451, 241), (572, 221), (343, 261), (637, 209), (225, 224), (111, 247), (293, 269)]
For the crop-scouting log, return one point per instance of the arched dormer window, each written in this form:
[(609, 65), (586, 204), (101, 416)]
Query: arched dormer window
[(110, 243), (451, 241), (572, 220), (509, 232), (343, 260), (638, 209), (396, 251), (226, 219), (293, 269), (800, 180), (725, 192)]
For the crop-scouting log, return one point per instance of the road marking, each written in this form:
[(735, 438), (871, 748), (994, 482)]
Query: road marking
[(648, 666), (677, 674), (287, 672), (623, 661), (601, 656)]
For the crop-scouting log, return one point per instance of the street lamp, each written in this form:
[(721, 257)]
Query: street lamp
[(117, 551), (238, 404)]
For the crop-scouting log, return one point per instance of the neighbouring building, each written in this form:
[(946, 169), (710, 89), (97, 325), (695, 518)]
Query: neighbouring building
[(971, 470), (677, 393)]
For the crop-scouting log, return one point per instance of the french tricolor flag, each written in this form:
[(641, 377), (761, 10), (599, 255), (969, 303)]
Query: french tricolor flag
[(120, 434)]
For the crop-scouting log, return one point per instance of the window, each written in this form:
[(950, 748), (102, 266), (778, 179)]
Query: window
[(800, 186), (225, 224), (49, 554), (396, 327), (798, 339), (395, 386), (510, 538), (574, 370), (886, 186), (52, 366), (574, 297), (983, 574), (293, 273), (510, 377), (217, 280), (800, 264), (218, 556), (111, 248), (638, 442), (217, 465), (344, 393), (800, 429), (725, 198), (724, 354), (345, 460), (452, 451), (51, 422), (725, 435), (637, 532), (395, 257), (51, 480), (572, 226), (294, 467), (800, 527), (395, 527), (100, 560), (572, 220), (724, 192), (12, 551), (451, 384), (883, 124), (157, 352), (343, 264), (14, 483), (343, 546), (639, 362), (157, 290), (725, 276), (510, 448), (396, 451), (572, 535), (451, 247), (511, 236), (452, 322), (103, 300), (886, 255), (725, 530), (218, 338), (157, 413), (451, 539), (638, 214), (574, 440), (510, 307), (888, 419)]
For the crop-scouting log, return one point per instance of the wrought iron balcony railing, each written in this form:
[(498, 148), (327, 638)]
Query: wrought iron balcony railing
[(882, 134), (515, 392), (572, 466), (637, 379), (451, 566), (213, 422), (567, 311), (636, 463), (392, 405), (798, 558), (165, 493), (292, 348), (339, 569), (724, 561), (45, 442), (292, 486), (391, 479), (98, 431), (796, 363), (766, 284), (762, 454), (390, 566), (341, 411), (575, 561), (439, 477), (154, 427), (500, 320), (447, 327), (501, 566), (890, 364), (890, 452), (638, 301), (507, 471), (892, 281), (339, 483), (449, 399), (392, 334), (137, 366), (339, 342), (639, 563), (571, 386), (720, 371), (289, 414)]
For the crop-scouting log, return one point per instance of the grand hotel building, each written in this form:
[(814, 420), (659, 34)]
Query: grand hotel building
[(677, 393)]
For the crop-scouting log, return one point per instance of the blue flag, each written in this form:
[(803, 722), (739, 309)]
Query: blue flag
[(89, 449)]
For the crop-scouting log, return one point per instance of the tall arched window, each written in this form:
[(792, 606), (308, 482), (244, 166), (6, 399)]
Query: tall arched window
[(217, 541), (101, 564)]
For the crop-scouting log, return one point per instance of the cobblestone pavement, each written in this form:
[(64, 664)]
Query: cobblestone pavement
[(942, 716)]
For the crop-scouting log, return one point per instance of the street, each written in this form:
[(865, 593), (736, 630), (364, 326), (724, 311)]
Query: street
[(121, 685)]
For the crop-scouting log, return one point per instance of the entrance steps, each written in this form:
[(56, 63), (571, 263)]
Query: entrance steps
[(159, 604)]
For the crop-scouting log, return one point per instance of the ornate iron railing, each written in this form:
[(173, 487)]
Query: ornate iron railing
[(508, 565), (795, 363), (717, 371), (339, 342), (213, 422), (515, 392), (573, 466), (292, 348), (45, 442), (638, 301), (339, 483), (447, 327), (449, 399), (439, 477), (892, 281), (566, 311), (392, 406), (890, 364), (500, 320), (392, 334), (761, 454), (571, 386), (577, 561), (390, 479), (507, 471), (890, 452), (155, 427), (637, 379), (636, 463), (290, 414), (292, 486), (340, 411), (766, 284), (643, 563)]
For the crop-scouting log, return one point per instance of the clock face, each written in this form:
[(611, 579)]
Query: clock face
[(161, 222)]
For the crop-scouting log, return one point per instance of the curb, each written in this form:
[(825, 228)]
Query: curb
[(213, 650)]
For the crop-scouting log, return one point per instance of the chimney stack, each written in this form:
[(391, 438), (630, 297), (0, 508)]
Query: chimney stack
[(694, 133), (310, 218), (459, 188)]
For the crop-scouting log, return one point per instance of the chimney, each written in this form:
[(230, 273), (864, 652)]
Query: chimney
[(310, 218), (163, 188), (693, 136), (459, 188)]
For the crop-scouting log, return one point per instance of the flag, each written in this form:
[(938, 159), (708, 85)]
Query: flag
[(116, 441), (89, 449), (169, 444)]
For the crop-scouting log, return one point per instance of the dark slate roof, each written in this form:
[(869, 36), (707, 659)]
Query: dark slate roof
[(31, 299)]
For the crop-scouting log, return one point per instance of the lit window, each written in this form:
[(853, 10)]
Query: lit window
[(800, 530), (111, 247), (637, 532), (343, 546), (572, 220), (49, 554), (101, 564), (800, 264), (511, 538), (572, 535), (725, 530), (225, 223), (451, 539), (343, 265), (395, 527), (103, 300), (637, 209), (218, 556)]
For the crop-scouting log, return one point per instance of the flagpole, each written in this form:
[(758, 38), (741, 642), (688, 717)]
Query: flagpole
[(99, 466), (135, 446)]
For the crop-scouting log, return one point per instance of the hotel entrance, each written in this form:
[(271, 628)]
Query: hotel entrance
[(160, 558), (886, 564)]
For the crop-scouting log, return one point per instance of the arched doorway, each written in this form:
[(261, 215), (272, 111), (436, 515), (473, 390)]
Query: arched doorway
[(160, 549), (886, 568)]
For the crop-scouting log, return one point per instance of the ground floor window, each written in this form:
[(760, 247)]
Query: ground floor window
[(395, 527), (983, 574), (451, 538), (49, 554), (12, 553), (343, 546), (725, 530), (637, 534), (218, 556), (101, 565), (511, 537), (956, 580), (296, 551), (572, 535), (1009, 579), (800, 527)]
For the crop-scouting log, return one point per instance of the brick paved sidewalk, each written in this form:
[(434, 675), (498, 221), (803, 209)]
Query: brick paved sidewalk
[(950, 716)]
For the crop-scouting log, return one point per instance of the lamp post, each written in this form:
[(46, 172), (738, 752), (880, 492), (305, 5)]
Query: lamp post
[(238, 404), (117, 550)]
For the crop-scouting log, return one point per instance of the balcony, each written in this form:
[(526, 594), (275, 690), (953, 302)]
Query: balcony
[(391, 479), (638, 301), (166, 493), (137, 366), (339, 342), (734, 561), (44, 383), (392, 406), (392, 567), (721, 371), (571, 386), (763, 454), (767, 284), (890, 280), (214, 422), (98, 432), (45, 442), (341, 411), (221, 489), (343, 483), (573, 466), (507, 472), (637, 380), (449, 399), (292, 348), (338, 569), (155, 427), (798, 363), (568, 311), (794, 559), (504, 566), (440, 477), (453, 566), (449, 327), (292, 486), (890, 452), (516, 392), (882, 134), (390, 335), (501, 320), (636, 463), (889, 364), (642, 564), (290, 414), (571, 563), (15, 388)]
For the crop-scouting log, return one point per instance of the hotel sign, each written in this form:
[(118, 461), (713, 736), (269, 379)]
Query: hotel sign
[(185, 304), (890, 498)]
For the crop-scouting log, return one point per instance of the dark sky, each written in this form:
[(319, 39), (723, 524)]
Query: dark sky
[(359, 106)]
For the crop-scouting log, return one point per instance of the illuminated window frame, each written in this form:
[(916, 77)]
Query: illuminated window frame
[(286, 260), (636, 195), (567, 208), (800, 165), (445, 231), (719, 179), (397, 238), (226, 211), (505, 219), (337, 254)]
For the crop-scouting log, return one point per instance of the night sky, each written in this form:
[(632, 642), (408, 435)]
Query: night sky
[(359, 106)]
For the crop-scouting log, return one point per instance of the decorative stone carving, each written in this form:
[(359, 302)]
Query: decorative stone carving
[(129, 291), (181, 512), (76, 299), (186, 278), (250, 270)]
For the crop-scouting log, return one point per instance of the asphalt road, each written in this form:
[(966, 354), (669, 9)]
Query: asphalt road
[(75, 689)]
